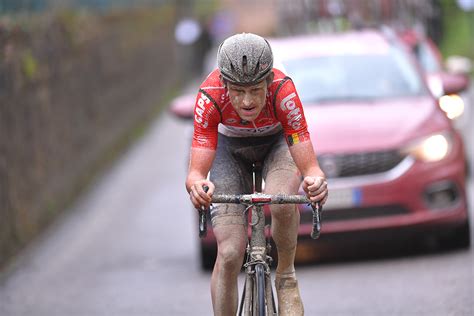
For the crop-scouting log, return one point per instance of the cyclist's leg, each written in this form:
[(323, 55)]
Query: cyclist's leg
[(229, 228), (231, 241), (282, 177)]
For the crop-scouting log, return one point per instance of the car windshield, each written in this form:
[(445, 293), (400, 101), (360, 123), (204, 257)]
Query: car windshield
[(354, 77)]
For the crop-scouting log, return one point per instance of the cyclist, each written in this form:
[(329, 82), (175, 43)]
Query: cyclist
[(245, 110)]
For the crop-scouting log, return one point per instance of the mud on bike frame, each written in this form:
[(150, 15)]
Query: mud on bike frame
[(257, 297)]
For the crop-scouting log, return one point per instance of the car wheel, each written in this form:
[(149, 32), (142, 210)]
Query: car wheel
[(208, 257)]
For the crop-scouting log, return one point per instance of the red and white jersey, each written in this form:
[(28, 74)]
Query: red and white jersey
[(213, 113)]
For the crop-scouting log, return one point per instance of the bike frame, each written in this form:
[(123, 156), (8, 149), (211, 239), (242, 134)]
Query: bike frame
[(258, 260)]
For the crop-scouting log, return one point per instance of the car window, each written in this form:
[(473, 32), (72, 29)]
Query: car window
[(352, 77)]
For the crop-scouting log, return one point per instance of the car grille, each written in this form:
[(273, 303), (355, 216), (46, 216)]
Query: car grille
[(355, 213), (350, 165)]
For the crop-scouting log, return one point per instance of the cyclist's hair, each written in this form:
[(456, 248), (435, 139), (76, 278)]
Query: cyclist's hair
[(245, 59)]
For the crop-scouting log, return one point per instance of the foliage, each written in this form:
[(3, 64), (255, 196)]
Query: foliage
[(29, 65), (457, 31)]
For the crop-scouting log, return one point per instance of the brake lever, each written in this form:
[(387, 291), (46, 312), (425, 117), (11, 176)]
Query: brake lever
[(203, 217), (317, 210)]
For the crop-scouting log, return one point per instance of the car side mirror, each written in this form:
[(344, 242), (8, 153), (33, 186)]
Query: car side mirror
[(454, 83), (182, 107), (458, 65), (456, 78)]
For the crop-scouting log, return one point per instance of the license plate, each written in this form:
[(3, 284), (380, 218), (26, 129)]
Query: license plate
[(343, 198)]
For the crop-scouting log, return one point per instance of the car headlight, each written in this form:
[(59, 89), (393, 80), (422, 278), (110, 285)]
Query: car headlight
[(432, 148), (436, 86), (452, 105)]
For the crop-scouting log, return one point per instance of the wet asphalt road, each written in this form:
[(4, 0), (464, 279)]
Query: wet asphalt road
[(129, 247)]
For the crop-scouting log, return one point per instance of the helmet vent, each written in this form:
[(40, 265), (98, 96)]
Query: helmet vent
[(257, 68), (245, 64)]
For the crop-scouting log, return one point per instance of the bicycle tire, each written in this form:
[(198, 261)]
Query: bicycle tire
[(247, 300), (271, 306), (260, 306)]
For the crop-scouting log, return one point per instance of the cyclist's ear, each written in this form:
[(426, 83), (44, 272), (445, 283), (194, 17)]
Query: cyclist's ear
[(270, 77), (223, 81)]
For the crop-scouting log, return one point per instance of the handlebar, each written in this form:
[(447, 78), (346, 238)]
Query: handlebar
[(263, 199), (260, 199)]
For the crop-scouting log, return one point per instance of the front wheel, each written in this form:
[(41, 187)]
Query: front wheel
[(259, 303)]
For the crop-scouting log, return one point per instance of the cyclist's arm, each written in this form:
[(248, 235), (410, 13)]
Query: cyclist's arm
[(200, 163), (314, 180), (203, 150), (290, 113)]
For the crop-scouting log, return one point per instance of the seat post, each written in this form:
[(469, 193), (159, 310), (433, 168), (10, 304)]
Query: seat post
[(257, 239), (257, 176)]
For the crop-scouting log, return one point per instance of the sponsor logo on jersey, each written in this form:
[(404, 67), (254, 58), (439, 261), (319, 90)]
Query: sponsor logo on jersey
[(294, 115), (201, 140), (245, 131), (265, 121), (199, 110)]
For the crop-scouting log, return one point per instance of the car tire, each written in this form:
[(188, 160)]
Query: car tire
[(208, 257)]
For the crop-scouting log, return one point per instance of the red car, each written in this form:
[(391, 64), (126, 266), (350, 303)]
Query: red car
[(393, 160), (444, 84)]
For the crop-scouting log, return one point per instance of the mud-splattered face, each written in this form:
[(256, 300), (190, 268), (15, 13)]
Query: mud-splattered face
[(248, 101)]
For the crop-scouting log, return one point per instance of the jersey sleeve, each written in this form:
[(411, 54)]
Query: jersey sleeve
[(206, 120), (289, 111)]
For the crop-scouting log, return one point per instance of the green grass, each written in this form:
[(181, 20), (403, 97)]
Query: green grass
[(458, 31)]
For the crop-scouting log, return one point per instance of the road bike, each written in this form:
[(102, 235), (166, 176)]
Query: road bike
[(257, 297)]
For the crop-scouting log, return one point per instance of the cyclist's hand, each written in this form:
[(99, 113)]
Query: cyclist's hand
[(316, 189), (198, 196)]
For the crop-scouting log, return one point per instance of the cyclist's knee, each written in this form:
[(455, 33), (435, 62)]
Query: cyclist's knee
[(231, 241), (230, 256)]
